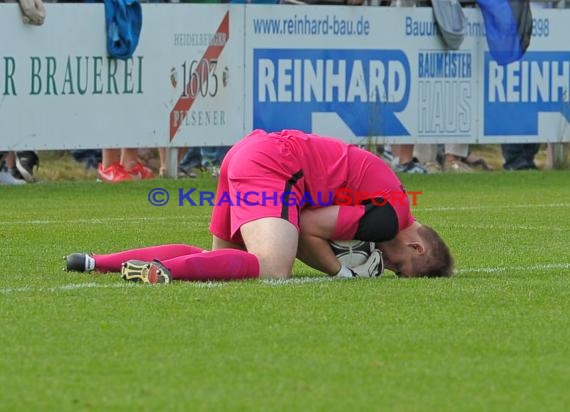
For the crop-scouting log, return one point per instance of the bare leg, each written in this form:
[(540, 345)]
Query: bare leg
[(218, 243), (274, 241), (403, 151), (110, 156), (10, 160), (129, 158), (163, 169), (549, 157)]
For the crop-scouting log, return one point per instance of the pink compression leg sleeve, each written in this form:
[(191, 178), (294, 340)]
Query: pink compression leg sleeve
[(221, 264), (112, 262)]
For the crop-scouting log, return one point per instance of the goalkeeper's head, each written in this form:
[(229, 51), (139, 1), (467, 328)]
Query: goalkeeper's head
[(417, 251)]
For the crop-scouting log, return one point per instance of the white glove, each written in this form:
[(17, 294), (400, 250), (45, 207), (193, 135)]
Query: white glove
[(33, 11), (373, 267)]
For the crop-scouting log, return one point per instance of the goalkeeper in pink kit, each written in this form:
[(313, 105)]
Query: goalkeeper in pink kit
[(283, 196)]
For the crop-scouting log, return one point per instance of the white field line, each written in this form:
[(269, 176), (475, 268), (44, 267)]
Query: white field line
[(137, 219), (294, 281), (82, 221), (93, 285), (492, 207), (499, 269), (494, 226), (96, 221)]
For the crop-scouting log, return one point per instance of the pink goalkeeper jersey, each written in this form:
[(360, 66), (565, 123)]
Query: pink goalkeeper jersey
[(351, 174), (317, 171)]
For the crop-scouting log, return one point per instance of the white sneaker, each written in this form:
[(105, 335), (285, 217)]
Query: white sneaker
[(6, 178)]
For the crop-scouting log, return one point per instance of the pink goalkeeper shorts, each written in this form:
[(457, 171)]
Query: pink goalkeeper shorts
[(259, 177)]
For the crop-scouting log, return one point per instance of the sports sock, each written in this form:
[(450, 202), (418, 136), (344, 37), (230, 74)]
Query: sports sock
[(112, 262), (221, 264)]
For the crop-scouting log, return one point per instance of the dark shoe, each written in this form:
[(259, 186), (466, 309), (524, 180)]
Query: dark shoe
[(520, 165), (25, 164), (90, 158), (79, 262), (186, 172), (413, 166)]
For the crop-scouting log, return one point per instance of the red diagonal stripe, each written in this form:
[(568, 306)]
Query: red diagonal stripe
[(212, 52)]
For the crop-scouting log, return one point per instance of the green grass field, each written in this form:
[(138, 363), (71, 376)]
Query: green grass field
[(494, 338)]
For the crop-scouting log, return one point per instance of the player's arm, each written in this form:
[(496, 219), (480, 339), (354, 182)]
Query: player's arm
[(317, 226), (320, 225), (372, 221)]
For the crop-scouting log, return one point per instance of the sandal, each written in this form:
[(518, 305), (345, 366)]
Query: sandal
[(478, 163)]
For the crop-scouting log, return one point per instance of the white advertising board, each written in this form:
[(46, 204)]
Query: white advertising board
[(205, 75), (383, 72), (58, 88)]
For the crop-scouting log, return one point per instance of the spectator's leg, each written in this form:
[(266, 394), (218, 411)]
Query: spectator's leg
[(215, 157), (404, 153), (163, 168), (93, 159), (79, 155), (192, 159), (221, 153), (110, 157), (404, 156), (549, 156), (208, 156), (25, 163), (129, 158), (110, 169), (529, 152), (133, 166), (425, 152), (10, 160), (427, 155), (456, 149), (6, 177), (90, 157), (454, 159), (519, 156), (511, 154), (477, 162)]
